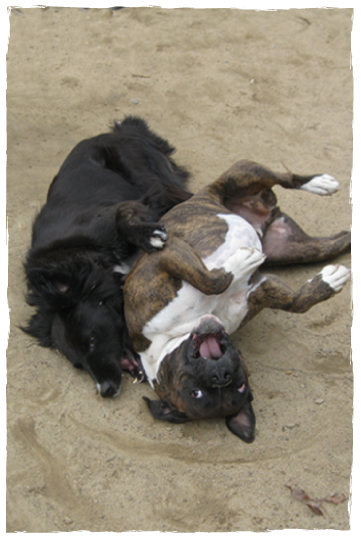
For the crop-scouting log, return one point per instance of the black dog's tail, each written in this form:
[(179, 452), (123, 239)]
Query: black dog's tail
[(136, 125), (140, 127), (163, 197)]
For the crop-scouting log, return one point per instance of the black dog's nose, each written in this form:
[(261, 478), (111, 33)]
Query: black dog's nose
[(108, 389)]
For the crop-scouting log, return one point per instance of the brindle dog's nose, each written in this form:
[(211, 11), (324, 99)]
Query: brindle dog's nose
[(220, 375)]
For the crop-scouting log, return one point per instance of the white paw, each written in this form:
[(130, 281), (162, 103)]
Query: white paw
[(122, 269), (335, 276), (158, 239), (244, 261), (321, 185)]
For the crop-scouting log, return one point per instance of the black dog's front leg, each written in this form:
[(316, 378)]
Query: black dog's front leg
[(134, 224), (137, 221)]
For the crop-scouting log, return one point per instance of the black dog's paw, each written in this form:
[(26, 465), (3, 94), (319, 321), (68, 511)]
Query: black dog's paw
[(151, 237), (158, 237), (136, 224)]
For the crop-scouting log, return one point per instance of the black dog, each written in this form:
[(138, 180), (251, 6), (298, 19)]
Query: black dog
[(103, 205)]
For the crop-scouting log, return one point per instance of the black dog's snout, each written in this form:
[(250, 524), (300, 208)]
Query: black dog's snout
[(108, 389)]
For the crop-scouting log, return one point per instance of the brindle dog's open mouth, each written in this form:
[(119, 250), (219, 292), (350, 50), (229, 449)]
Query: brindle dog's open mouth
[(209, 345), (212, 346)]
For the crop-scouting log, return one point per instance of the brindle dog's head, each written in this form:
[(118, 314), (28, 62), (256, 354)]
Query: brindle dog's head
[(205, 377)]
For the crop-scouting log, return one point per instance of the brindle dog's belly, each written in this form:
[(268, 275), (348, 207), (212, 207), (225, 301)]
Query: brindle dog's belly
[(240, 234)]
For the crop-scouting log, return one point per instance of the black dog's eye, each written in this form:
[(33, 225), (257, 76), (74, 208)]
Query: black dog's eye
[(197, 393), (92, 341)]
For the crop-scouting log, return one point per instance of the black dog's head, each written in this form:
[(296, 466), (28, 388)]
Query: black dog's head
[(80, 313), (205, 377)]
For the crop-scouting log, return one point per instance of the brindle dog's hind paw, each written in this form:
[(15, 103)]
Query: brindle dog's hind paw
[(321, 185)]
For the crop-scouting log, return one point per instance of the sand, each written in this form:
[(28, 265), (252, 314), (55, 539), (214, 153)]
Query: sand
[(221, 85)]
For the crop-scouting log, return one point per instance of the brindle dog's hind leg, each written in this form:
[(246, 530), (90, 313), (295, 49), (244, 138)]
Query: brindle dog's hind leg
[(269, 291), (284, 242), (246, 189), (246, 178)]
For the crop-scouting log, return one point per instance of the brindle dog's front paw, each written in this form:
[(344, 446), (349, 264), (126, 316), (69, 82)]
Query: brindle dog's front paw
[(335, 276)]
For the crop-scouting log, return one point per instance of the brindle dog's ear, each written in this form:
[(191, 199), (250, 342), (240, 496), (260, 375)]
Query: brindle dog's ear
[(160, 409), (243, 424)]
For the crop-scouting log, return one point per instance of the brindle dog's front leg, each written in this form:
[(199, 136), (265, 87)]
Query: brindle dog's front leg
[(151, 287), (271, 292), (180, 261)]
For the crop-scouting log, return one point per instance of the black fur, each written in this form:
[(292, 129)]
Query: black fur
[(102, 207)]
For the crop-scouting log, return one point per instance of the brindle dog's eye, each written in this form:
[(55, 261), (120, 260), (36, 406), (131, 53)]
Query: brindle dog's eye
[(197, 393)]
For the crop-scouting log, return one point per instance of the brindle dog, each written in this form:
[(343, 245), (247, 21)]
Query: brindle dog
[(182, 302)]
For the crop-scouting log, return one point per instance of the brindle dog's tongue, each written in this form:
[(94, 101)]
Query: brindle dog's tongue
[(210, 348)]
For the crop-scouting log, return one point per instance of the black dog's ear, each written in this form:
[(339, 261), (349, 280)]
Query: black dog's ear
[(44, 279), (160, 409), (40, 326), (243, 424), (46, 286)]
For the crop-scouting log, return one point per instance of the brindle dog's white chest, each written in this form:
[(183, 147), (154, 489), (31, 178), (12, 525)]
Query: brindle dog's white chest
[(172, 325), (231, 307), (240, 234)]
